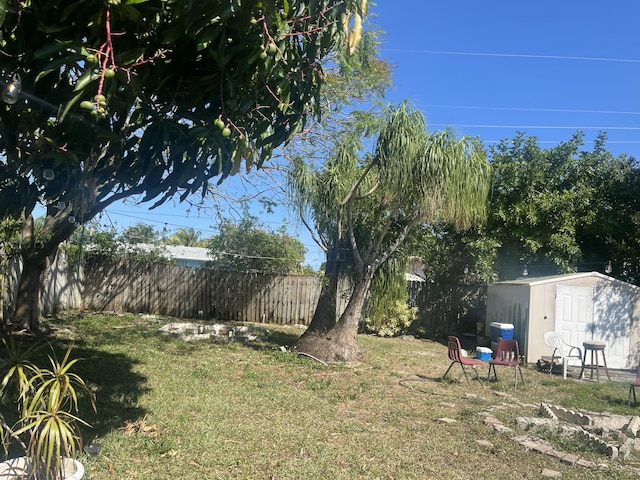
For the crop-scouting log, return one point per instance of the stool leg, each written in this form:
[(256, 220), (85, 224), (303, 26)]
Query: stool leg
[(606, 369), (597, 367)]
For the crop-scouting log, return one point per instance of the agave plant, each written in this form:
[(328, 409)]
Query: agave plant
[(47, 402)]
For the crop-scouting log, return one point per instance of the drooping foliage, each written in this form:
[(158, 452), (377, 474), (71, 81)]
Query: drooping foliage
[(388, 312), (108, 99), (411, 178), (189, 237)]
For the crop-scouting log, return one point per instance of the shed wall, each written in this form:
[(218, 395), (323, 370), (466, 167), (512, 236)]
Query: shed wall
[(508, 303), (541, 319), (634, 332)]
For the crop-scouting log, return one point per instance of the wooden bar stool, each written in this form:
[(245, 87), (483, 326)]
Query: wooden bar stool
[(595, 348)]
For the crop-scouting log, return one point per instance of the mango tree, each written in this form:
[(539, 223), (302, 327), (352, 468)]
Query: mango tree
[(104, 99)]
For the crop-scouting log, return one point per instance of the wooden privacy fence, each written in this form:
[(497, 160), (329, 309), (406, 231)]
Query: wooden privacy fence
[(445, 309), (124, 285), (185, 292), (62, 286)]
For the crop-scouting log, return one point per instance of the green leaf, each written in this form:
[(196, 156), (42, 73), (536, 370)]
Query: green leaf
[(87, 77), (49, 50), (3, 11), (62, 115)]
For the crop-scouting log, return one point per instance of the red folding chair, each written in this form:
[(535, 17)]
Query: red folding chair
[(455, 355), (507, 355)]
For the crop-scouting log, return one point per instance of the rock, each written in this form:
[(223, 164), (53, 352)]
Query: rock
[(547, 473), (484, 443), (570, 459), (446, 420)]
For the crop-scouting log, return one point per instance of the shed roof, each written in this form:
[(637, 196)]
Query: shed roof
[(533, 281)]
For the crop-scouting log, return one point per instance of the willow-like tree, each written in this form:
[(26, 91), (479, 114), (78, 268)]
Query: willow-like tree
[(104, 99), (369, 205)]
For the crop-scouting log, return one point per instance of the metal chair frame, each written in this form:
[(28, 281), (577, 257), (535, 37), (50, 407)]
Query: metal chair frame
[(632, 388)]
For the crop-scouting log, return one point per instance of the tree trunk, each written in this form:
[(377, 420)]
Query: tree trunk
[(29, 293), (340, 343), (36, 259), (325, 315)]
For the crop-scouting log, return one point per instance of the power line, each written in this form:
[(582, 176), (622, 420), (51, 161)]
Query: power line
[(544, 110), (160, 222), (514, 55), (535, 127), (557, 142), (147, 220), (527, 109)]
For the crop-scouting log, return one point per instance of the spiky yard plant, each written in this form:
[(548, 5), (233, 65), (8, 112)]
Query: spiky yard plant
[(47, 403)]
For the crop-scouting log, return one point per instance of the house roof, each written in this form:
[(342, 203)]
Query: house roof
[(178, 252), (187, 253), (533, 281)]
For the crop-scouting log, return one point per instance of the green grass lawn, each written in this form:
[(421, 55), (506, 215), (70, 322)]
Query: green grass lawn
[(168, 409)]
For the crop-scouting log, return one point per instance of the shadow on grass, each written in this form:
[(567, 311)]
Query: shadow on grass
[(111, 377), (117, 388), (276, 339), (421, 383)]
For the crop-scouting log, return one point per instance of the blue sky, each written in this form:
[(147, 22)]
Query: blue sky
[(547, 68), (491, 69)]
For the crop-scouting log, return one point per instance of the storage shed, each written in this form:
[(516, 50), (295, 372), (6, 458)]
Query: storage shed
[(580, 306)]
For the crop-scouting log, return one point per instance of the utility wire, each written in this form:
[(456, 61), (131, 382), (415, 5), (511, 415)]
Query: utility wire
[(513, 55), (527, 109), (568, 127), (160, 222)]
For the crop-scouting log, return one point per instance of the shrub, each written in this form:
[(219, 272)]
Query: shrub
[(394, 321)]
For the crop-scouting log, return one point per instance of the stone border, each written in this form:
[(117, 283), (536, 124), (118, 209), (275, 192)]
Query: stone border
[(192, 331), (537, 445), (580, 424)]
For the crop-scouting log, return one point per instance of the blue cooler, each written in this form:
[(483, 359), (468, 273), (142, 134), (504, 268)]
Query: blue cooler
[(501, 330), (483, 353)]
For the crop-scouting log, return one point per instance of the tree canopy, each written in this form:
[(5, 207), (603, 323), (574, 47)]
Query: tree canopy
[(249, 246), (116, 98), (370, 204), (189, 237), (563, 208), (552, 210), (121, 97)]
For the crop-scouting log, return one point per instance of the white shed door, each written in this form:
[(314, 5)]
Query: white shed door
[(612, 324), (584, 314), (574, 313)]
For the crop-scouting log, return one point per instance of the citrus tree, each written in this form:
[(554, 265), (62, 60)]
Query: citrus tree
[(564, 208), (102, 100)]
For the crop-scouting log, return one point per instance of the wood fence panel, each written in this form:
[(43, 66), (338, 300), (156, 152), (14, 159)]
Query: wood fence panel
[(204, 294)]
